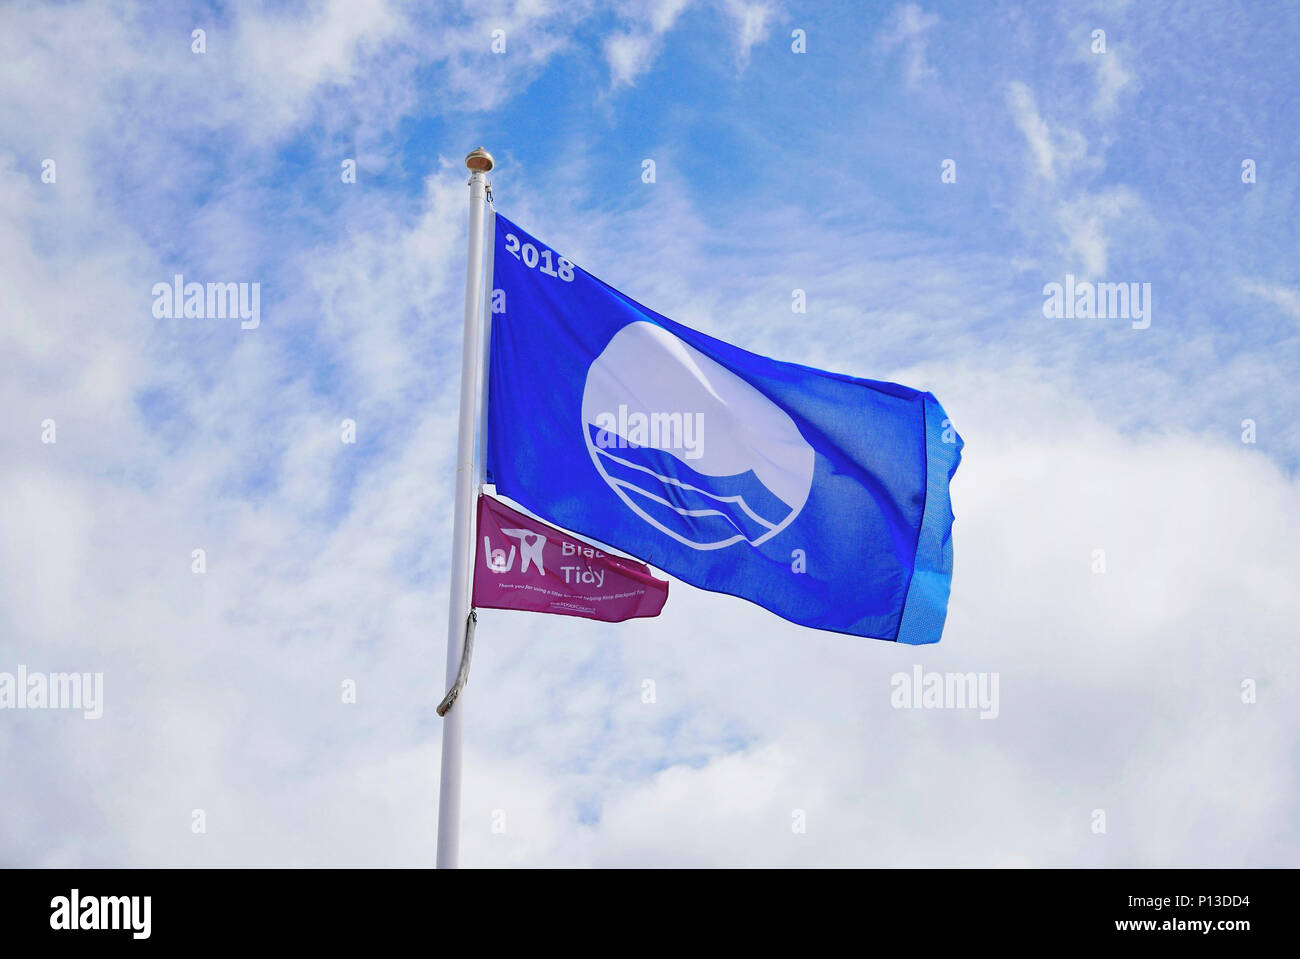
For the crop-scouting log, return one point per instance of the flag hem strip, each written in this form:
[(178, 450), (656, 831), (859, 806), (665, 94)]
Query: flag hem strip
[(926, 605)]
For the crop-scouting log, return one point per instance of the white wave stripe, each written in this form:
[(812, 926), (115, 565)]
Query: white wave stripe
[(738, 499), (685, 512)]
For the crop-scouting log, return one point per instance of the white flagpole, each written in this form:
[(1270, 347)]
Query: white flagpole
[(479, 163)]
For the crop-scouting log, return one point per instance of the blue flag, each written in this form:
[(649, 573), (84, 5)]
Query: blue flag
[(819, 496)]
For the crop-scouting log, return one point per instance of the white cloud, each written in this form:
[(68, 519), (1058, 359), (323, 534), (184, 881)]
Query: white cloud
[(906, 28), (281, 61), (1056, 153), (1283, 297), (1060, 195), (1112, 80), (631, 52), (751, 22), (1084, 222), (629, 55)]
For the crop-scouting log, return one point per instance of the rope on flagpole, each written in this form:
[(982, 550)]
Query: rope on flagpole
[(463, 675)]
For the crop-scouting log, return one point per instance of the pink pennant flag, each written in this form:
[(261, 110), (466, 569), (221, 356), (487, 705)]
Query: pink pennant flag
[(524, 564)]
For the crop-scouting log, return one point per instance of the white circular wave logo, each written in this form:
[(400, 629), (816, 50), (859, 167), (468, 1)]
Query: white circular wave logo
[(691, 448)]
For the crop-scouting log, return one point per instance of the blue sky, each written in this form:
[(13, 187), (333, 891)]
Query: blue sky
[(775, 171)]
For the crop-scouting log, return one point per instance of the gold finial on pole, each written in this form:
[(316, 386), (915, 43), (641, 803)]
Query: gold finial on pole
[(479, 161)]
